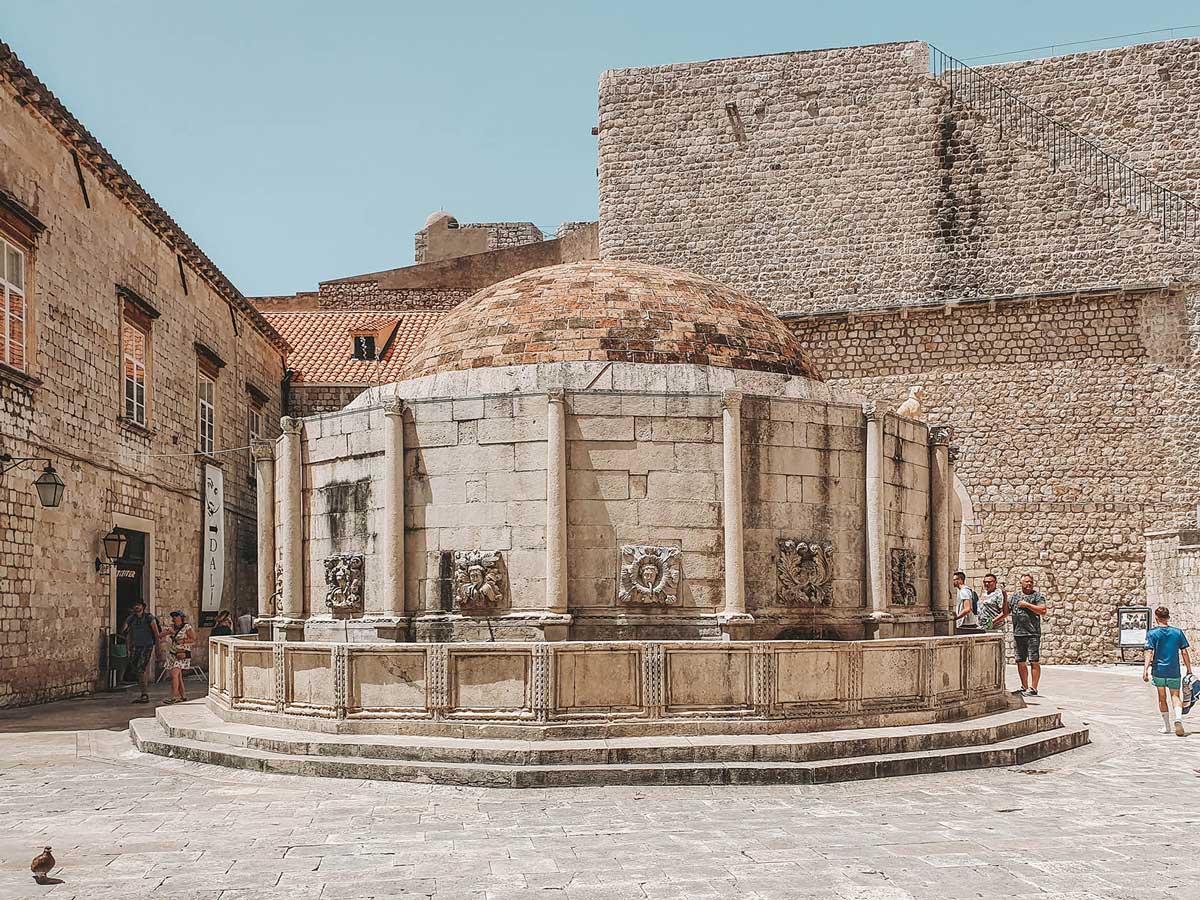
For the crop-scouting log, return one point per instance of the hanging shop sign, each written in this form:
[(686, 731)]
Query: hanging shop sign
[(213, 555)]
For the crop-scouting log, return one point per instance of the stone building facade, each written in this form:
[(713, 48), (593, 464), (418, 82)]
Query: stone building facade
[(123, 314), (909, 241)]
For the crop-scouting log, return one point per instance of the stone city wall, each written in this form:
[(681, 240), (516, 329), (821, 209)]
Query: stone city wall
[(53, 603), (846, 180), (1057, 405)]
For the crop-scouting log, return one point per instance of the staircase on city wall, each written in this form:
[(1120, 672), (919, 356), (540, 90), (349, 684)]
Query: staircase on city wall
[(1116, 181), (1013, 737)]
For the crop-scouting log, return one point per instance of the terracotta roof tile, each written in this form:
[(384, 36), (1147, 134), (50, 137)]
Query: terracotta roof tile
[(322, 344)]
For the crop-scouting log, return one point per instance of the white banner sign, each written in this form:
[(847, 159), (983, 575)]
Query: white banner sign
[(213, 557)]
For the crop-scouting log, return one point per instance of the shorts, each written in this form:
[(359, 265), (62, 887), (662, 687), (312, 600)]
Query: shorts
[(1172, 683), (1028, 647), (139, 658)]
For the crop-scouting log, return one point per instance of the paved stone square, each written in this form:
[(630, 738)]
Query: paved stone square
[(1103, 823)]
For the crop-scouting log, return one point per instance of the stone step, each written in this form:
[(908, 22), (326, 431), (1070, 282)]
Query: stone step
[(150, 736), (196, 723)]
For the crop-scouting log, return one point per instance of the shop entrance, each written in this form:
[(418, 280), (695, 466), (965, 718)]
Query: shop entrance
[(131, 575)]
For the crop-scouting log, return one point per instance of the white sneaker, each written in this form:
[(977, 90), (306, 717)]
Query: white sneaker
[(1164, 730)]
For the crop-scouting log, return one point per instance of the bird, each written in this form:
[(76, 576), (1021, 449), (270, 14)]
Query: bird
[(41, 865)]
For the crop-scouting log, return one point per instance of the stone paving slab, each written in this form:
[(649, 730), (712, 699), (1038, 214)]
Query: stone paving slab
[(1094, 824)]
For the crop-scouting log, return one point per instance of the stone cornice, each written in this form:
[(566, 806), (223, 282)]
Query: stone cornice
[(951, 304), (31, 92)]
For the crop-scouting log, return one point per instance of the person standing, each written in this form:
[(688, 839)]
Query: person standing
[(180, 638), (223, 626), (1164, 645), (1027, 612), (142, 634), (993, 603), (966, 619), (245, 622)]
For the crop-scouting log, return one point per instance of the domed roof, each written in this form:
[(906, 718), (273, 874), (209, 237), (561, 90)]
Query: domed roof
[(439, 216), (609, 311)]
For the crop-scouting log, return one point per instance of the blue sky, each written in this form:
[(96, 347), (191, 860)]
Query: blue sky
[(300, 141)]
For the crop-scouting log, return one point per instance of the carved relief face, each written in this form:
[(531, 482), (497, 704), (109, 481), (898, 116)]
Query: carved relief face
[(649, 573), (475, 573)]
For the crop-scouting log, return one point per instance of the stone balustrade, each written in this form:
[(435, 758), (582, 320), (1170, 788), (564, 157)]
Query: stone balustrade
[(576, 688)]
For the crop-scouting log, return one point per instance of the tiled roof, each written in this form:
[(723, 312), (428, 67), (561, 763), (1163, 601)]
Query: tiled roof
[(92, 155), (322, 344), (610, 310)]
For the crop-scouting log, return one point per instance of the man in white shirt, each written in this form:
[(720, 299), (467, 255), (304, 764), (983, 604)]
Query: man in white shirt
[(965, 619), (245, 623)]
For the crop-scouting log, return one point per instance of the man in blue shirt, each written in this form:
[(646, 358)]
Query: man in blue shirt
[(1164, 645)]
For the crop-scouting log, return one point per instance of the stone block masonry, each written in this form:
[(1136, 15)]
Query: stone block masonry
[(847, 188), (1059, 406), (54, 606)]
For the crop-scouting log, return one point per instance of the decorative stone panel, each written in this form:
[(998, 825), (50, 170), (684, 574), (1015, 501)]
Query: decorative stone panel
[(903, 576), (344, 579), (805, 573), (623, 687), (479, 582), (649, 575)]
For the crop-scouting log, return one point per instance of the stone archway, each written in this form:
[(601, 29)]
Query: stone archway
[(962, 520)]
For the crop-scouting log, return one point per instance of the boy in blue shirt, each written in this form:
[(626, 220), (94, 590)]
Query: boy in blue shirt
[(1164, 645)]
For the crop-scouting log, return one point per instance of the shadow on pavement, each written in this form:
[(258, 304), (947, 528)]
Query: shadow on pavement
[(105, 711)]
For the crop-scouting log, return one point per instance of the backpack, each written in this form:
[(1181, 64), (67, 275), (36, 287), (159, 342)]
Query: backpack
[(1190, 693), (974, 602)]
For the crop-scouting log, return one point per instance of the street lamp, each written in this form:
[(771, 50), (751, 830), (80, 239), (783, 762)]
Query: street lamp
[(114, 548), (49, 485)]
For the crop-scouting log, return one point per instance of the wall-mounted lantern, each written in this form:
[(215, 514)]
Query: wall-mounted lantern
[(49, 485), (114, 544)]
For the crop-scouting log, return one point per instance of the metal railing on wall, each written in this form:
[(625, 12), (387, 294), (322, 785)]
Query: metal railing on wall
[(1119, 182)]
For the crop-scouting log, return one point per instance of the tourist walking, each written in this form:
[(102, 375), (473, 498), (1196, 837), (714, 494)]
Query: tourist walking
[(1164, 645), (1027, 610), (142, 634), (180, 638), (966, 617), (993, 603)]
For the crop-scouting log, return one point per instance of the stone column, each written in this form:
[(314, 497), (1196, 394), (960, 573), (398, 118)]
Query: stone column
[(263, 453), (556, 503), (734, 618), (875, 548), (289, 618), (955, 551), (391, 602), (940, 487)]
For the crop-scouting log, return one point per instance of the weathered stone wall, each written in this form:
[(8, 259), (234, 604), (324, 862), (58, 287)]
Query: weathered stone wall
[(445, 238), (342, 467), (310, 399), (1059, 405), (791, 177), (847, 180), (1173, 574), (53, 603), (643, 469), (342, 295), (475, 479)]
